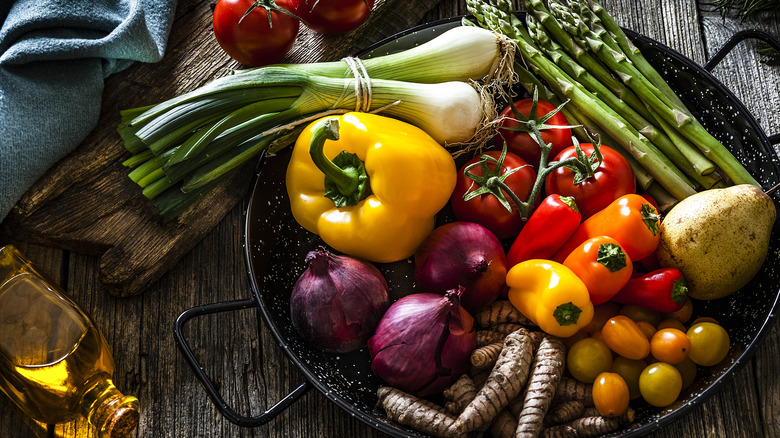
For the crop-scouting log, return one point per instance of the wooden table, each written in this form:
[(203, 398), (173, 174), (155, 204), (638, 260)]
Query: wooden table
[(237, 350)]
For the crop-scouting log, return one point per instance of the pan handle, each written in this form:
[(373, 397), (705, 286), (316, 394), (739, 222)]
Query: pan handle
[(204, 379), (729, 46)]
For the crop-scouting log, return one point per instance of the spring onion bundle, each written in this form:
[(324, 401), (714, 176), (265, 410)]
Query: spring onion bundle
[(183, 147), (574, 50)]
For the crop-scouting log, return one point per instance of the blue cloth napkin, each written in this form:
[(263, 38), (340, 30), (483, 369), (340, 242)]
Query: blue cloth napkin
[(54, 58)]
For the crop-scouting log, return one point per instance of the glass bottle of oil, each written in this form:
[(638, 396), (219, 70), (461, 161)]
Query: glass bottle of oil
[(54, 362)]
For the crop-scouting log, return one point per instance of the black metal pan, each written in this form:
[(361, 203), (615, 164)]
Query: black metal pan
[(275, 247)]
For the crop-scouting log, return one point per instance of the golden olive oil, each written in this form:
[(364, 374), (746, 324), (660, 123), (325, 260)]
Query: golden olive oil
[(54, 362)]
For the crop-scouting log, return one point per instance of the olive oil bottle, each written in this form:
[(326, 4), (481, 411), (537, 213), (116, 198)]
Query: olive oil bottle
[(54, 362)]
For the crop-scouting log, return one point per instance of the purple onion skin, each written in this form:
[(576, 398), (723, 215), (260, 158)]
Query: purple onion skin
[(338, 301), (462, 254), (423, 343)]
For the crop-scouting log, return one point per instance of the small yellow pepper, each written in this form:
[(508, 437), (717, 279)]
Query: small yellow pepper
[(368, 185), (551, 295)]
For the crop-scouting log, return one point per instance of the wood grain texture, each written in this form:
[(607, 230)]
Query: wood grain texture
[(236, 349)]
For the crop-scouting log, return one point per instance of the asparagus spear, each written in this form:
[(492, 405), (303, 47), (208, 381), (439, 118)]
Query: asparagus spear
[(693, 163), (666, 110), (498, 15)]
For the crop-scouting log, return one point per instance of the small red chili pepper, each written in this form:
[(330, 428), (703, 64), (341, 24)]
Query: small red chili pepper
[(549, 227), (662, 290)]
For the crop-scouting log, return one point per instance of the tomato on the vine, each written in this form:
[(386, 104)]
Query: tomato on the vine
[(247, 37), (479, 198), (513, 130), (332, 16), (612, 179)]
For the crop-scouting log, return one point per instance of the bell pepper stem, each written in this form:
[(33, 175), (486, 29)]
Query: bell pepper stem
[(346, 180)]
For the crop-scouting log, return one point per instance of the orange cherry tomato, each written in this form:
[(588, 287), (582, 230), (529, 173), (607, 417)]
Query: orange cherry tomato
[(683, 314), (688, 371), (602, 265), (601, 313), (672, 323), (646, 328), (670, 345), (625, 338), (610, 395)]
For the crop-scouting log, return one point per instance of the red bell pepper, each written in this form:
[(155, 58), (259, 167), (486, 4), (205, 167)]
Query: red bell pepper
[(549, 227), (630, 219), (662, 290)]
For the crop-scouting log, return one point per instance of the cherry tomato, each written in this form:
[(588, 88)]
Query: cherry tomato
[(625, 338), (638, 313), (672, 323), (520, 142), (611, 180), (332, 16), (629, 370), (601, 313), (688, 371), (709, 343), (704, 319), (670, 345), (602, 265), (588, 358), (486, 209), (646, 328), (610, 394), (253, 42), (660, 384), (683, 314)]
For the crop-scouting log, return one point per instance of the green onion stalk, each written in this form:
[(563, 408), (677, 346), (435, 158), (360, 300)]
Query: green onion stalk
[(183, 147)]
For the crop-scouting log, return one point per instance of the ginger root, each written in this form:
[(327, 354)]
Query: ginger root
[(505, 382), (545, 375)]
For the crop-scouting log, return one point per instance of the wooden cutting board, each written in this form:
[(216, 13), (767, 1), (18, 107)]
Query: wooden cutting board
[(87, 204)]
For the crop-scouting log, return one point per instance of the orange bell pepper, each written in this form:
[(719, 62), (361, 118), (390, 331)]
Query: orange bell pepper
[(630, 219), (602, 265)]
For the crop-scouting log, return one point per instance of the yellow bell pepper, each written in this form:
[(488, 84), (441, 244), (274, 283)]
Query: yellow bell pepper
[(551, 295), (378, 199)]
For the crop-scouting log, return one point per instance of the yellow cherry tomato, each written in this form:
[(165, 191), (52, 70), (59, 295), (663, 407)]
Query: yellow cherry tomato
[(672, 323), (660, 384), (637, 313), (683, 314), (610, 395), (709, 343), (587, 359), (688, 371), (629, 370)]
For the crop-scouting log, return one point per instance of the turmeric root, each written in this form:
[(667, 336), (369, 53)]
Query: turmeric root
[(487, 337), (560, 431), (545, 375), (420, 415), (571, 389), (565, 412), (485, 357), (460, 394), (507, 327), (594, 426), (627, 418), (504, 425), (505, 382), (500, 312)]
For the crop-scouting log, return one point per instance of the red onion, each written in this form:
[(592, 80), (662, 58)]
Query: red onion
[(462, 254), (338, 301), (423, 343)]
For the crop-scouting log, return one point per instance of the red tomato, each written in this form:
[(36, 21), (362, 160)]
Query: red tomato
[(486, 209), (611, 180), (521, 143), (332, 16), (253, 42)]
